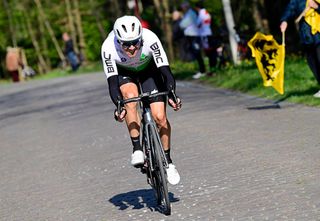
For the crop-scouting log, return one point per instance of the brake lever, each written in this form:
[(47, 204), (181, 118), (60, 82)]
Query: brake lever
[(174, 96), (119, 106)]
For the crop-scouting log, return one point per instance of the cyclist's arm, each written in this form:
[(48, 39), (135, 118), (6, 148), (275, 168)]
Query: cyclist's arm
[(114, 89), (170, 82), (110, 68), (168, 77), (160, 58)]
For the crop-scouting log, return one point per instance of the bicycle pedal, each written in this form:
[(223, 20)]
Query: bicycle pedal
[(149, 182), (138, 166), (143, 170)]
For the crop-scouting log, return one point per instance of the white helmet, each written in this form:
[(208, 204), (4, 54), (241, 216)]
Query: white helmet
[(127, 28)]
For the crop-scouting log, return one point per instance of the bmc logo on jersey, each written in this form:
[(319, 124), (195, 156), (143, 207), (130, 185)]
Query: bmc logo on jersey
[(155, 48), (108, 62)]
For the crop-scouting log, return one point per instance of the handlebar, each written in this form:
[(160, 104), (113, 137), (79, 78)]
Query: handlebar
[(146, 95)]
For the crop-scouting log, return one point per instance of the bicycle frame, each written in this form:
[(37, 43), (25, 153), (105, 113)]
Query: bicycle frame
[(156, 161), (147, 122)]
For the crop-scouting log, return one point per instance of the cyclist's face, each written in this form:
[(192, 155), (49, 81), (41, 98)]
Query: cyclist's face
[(131, 48)]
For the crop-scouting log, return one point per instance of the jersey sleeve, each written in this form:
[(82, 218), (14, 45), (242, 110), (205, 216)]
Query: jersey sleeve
[(155, 45), (107, 56)]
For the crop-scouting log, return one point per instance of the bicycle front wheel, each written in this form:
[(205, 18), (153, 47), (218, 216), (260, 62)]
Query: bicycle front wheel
[(161, 184)]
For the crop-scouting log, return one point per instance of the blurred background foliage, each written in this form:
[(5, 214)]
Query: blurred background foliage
[(90, 21)]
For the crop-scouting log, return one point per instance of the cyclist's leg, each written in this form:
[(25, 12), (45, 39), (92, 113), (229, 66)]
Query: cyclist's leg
[(130, 90), (158, 110), (152, 82)]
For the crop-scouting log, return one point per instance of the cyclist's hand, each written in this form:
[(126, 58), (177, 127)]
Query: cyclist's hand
[(175, 106), (120, 116)]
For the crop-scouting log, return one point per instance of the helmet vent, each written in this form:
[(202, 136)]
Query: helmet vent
[(124, 28), (118, 33), (133, 24)]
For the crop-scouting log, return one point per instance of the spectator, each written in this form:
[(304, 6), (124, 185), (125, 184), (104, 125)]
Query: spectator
[(207, 40), (14, 63), (178, 37), (70, 53), (310, 42), (189, 25), (222, 45)]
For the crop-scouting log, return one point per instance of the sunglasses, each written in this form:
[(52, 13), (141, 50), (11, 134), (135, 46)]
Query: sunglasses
[(127, 44)]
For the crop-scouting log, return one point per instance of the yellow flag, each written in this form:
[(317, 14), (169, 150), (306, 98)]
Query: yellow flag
[(269, 57), (312, 17)]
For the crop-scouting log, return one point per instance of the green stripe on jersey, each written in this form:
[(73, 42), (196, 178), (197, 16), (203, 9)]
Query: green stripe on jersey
[(145, 60)]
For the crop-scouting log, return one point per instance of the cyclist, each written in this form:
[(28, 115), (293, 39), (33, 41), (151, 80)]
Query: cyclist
[(130, 54)]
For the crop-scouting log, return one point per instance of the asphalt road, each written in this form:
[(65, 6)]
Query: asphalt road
[(63, 157)]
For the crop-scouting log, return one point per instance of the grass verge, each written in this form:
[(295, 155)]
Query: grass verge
[(299, 83)]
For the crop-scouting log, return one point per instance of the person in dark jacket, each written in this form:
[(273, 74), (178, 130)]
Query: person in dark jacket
[(70, 53), (310, 41), (179, 39)]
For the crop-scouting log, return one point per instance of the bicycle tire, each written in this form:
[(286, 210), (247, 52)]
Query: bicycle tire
[(150, 165), (161, 184), (148, 153)]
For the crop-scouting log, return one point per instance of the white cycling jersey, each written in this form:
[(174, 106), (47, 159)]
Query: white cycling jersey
[(113, 55)]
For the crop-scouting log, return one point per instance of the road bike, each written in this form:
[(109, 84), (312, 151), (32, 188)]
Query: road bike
[(155, 161)]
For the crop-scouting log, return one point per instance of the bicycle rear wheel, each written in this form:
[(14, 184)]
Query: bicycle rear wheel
[(161, 185)]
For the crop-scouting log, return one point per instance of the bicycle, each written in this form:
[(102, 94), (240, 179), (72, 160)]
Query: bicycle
[(155, 163)]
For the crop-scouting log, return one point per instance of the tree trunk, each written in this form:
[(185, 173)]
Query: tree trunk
[(97, 16), (35, 43), (168, 28), (50, 31), (11, 27), (44, 43), (261, 23), (158, 7), (115, 10), (71, 26), (232, 33), (163, 12), (82, 42)]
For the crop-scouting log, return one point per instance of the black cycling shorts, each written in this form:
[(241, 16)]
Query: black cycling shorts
[(149, 78)]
